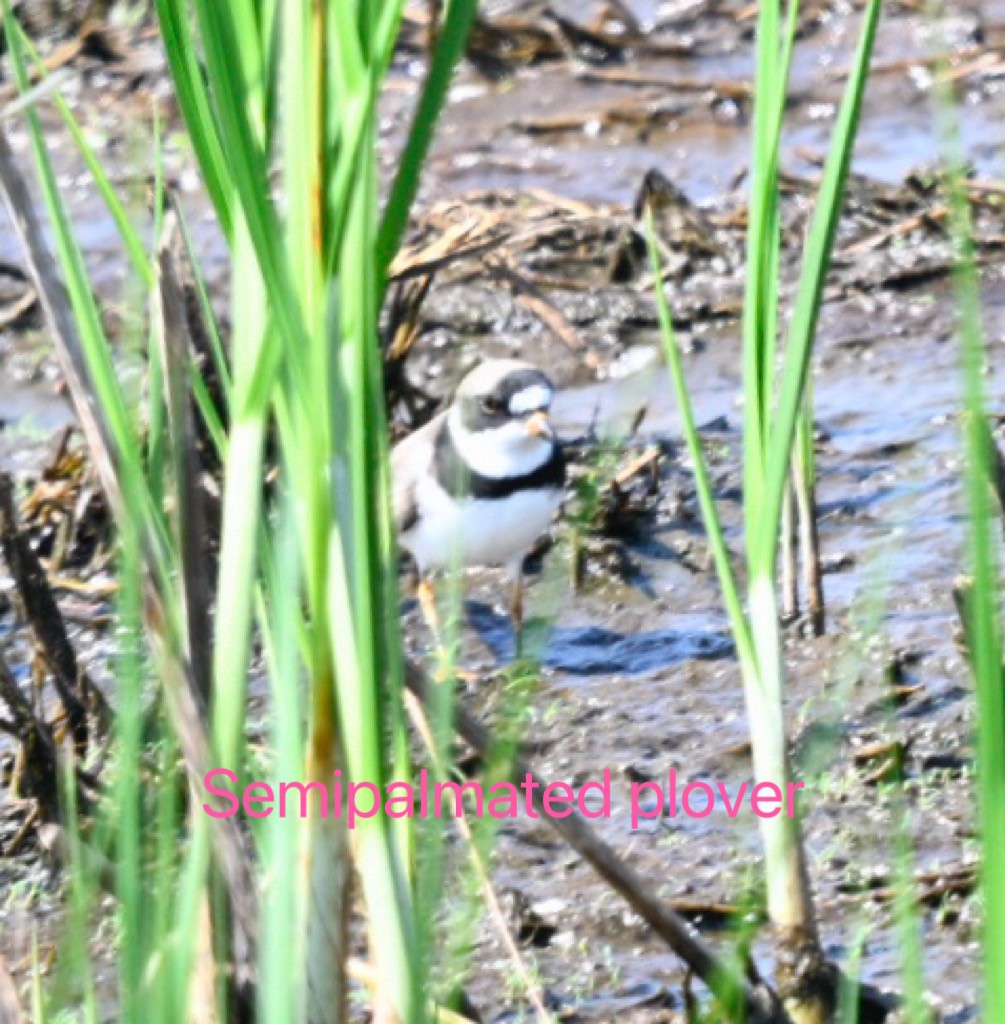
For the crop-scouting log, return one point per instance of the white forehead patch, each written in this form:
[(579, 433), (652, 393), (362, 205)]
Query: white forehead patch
[(537, 396)]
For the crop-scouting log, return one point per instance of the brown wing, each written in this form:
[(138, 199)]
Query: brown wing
[(410, 458), (406, 511)]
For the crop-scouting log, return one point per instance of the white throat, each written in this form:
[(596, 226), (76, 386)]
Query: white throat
[(501, 453)]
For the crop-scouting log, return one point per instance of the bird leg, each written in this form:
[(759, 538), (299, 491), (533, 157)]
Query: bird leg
[(431, 614), (516, 612), (427, 602)]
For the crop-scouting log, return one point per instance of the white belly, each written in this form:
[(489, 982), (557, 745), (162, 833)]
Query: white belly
[(465, 532)]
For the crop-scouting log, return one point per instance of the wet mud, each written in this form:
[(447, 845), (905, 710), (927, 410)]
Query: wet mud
[(638, 669)]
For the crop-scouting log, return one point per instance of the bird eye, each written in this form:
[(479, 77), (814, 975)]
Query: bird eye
[(491, 406)]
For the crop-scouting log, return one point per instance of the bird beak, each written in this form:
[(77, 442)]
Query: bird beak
[(538, 425)]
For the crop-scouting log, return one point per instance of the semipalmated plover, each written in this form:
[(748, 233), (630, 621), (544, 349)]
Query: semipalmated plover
[(480, 483)]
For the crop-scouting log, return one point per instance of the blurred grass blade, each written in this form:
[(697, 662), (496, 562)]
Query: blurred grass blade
[(90, 364), (451, 41), (170, 326), (196, 108), (109, 195), (703, 484), (281, 992), (982, 605)]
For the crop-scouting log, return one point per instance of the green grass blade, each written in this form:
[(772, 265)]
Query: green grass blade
[(809, 296), (221, 365), (279, 993), (983, 605), (458, 19), (238, 102), (762, 246), (196, 108), (129, 722), (98, 369), (135, 248), (703, 483), (350, 70)]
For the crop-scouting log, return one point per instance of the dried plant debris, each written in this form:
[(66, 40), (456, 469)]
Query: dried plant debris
[(66, 30), (61, 524), (18, 300), (64, 512), (617, 489), (508, 37), (35, 775), (410, 405), (498, 262), (46, 18), (504, 41), (686, 235)]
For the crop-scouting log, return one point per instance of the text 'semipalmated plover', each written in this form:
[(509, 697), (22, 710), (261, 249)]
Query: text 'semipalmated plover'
[(480, 483)]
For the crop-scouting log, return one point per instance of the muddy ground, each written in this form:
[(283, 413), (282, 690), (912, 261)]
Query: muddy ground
[(542, 155)]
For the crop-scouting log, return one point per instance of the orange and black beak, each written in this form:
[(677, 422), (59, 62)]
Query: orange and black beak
[(538, 425)]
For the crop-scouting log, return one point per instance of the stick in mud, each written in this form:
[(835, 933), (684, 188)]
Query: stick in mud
[(38, 762), (809, 550), (46, 621)]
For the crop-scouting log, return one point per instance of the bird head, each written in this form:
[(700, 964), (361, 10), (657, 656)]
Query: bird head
[(499, 418)]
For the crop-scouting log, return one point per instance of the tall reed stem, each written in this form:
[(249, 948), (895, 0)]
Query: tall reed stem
[(771, 413)]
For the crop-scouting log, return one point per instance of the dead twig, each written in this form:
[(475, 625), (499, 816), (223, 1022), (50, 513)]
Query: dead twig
[(17, 309), (931, 887), (37, 773), (904, 227), (170, 322), (531, 298), (809, 550), (725, 88)]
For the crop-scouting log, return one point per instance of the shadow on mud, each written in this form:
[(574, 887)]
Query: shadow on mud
[(594, 650)]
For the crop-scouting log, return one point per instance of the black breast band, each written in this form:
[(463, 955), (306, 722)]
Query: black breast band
[(460, 481)]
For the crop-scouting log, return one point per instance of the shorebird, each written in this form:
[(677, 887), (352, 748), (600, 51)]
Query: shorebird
[(480, 483)]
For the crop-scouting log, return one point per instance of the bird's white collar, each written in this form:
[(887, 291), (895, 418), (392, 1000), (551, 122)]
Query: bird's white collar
[(500, 453)]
